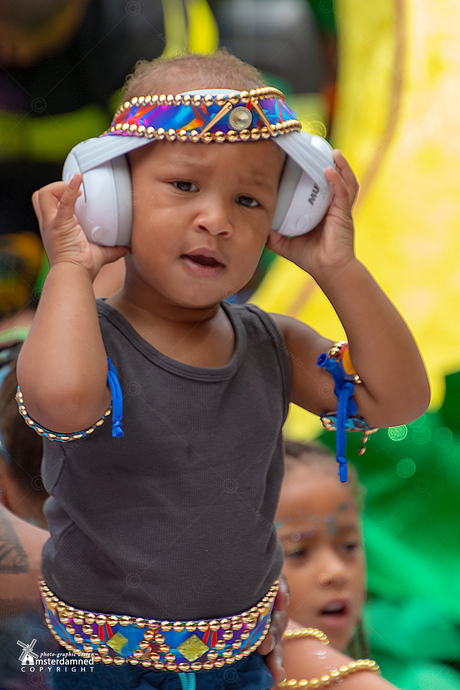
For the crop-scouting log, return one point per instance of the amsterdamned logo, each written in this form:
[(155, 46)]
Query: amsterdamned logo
[(27, 655), (32, 661)]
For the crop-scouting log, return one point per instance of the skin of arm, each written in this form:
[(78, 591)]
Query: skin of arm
[(395, 386), (62, 367), (272, 647), (20, 558), (306, 658)]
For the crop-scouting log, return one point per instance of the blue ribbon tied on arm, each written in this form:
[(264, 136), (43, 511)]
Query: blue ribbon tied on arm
[(117, 400), (346, 407)]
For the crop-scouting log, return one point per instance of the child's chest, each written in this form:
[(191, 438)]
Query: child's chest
[(208, 345)]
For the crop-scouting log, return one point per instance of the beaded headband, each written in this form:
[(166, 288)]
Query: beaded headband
[(213, 115)]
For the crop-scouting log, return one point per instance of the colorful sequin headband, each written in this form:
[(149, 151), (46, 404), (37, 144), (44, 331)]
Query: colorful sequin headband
[(213, 115)]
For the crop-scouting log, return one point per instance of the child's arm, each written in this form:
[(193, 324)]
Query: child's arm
[(395, 387), (272, 647), (62, 366), (20, 543), (306, 658)]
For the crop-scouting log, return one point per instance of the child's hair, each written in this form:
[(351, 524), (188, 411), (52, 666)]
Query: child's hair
[(309, 455), (221, 69), (299, 453), (20, 446)]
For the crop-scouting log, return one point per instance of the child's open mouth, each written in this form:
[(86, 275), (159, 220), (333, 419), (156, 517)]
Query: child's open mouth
[(203, 265), (204, 260), (335, 613)]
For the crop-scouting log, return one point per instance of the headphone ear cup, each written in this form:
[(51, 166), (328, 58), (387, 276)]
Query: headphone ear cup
[(104, 209), (290, 179), (304, 204), (304, 194)]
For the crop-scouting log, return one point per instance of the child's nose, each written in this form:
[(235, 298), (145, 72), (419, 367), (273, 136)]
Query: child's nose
[(331, 570), (214, 217)]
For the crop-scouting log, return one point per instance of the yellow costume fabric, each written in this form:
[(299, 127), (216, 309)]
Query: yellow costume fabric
[(395, 121)]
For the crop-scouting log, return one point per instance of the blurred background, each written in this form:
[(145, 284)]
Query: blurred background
[(381, 80)]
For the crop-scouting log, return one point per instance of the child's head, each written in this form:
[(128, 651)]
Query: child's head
[(180, 202), (319, 527), (218, 70), (202, 213)]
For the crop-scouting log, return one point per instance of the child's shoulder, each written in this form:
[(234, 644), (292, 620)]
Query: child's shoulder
[(254, 317)]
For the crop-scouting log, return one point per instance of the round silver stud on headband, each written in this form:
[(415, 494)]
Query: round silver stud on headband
[(240, 118)]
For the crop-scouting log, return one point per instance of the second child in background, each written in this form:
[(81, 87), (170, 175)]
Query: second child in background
[(319, 526)]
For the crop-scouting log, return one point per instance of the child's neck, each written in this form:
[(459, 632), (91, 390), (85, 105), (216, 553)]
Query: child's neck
[(198, 337)]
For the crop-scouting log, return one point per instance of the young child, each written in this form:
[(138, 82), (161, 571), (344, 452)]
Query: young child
[(163, 554), (319, 526)]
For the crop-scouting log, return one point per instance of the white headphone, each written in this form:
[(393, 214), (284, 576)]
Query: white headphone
[(104, 209)]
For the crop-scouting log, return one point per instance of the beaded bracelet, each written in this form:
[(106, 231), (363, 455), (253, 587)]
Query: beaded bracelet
[(352, 667), (54, 435), (338, 363), (327, 678), (305, 632), (115, 409)]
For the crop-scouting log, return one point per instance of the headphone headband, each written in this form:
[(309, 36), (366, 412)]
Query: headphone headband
[(210, 115)]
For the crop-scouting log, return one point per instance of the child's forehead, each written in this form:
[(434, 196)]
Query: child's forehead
[(260, 162), (316, 484)]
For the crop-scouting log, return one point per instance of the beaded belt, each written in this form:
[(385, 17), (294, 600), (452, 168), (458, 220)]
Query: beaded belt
[(164, 645)]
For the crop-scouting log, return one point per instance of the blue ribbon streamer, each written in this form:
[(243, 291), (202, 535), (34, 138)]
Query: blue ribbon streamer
[(117, 401), (346, 407), (187, 680)]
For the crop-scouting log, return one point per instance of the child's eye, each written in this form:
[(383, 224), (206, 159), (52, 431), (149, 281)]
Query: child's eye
[(351, 547), (185, 186), (295, 553), (247, 201)]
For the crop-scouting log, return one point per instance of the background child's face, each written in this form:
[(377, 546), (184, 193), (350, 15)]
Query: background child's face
[(324, 559), (202, 214)]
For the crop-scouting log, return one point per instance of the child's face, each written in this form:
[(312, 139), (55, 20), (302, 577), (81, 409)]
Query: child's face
[(324, 559), (202, 215)]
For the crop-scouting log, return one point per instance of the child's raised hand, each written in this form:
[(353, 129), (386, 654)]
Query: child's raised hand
[(330, 245), (62, 236)]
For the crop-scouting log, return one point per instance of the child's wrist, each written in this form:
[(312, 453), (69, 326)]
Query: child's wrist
[(70, 268), (336, 273)]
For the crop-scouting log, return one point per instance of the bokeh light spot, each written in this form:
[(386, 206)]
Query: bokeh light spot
[(397, 433), (420, 423), (442, 437), (406, 468), (422, 436)]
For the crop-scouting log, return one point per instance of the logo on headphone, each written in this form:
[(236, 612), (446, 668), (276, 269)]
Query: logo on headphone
[(314, 194)]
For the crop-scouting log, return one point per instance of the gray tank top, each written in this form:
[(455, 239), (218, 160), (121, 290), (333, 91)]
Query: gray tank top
[(175, 519)]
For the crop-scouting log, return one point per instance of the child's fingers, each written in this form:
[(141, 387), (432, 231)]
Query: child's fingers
[(46, 200), (66, 206), (36, 205), (111, 254), (343, 195), (56, 201), (346, 173), (277, 242)]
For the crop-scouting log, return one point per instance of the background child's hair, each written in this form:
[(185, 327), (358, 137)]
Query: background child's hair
[(221, 69), (300, 453), (310, 455)]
